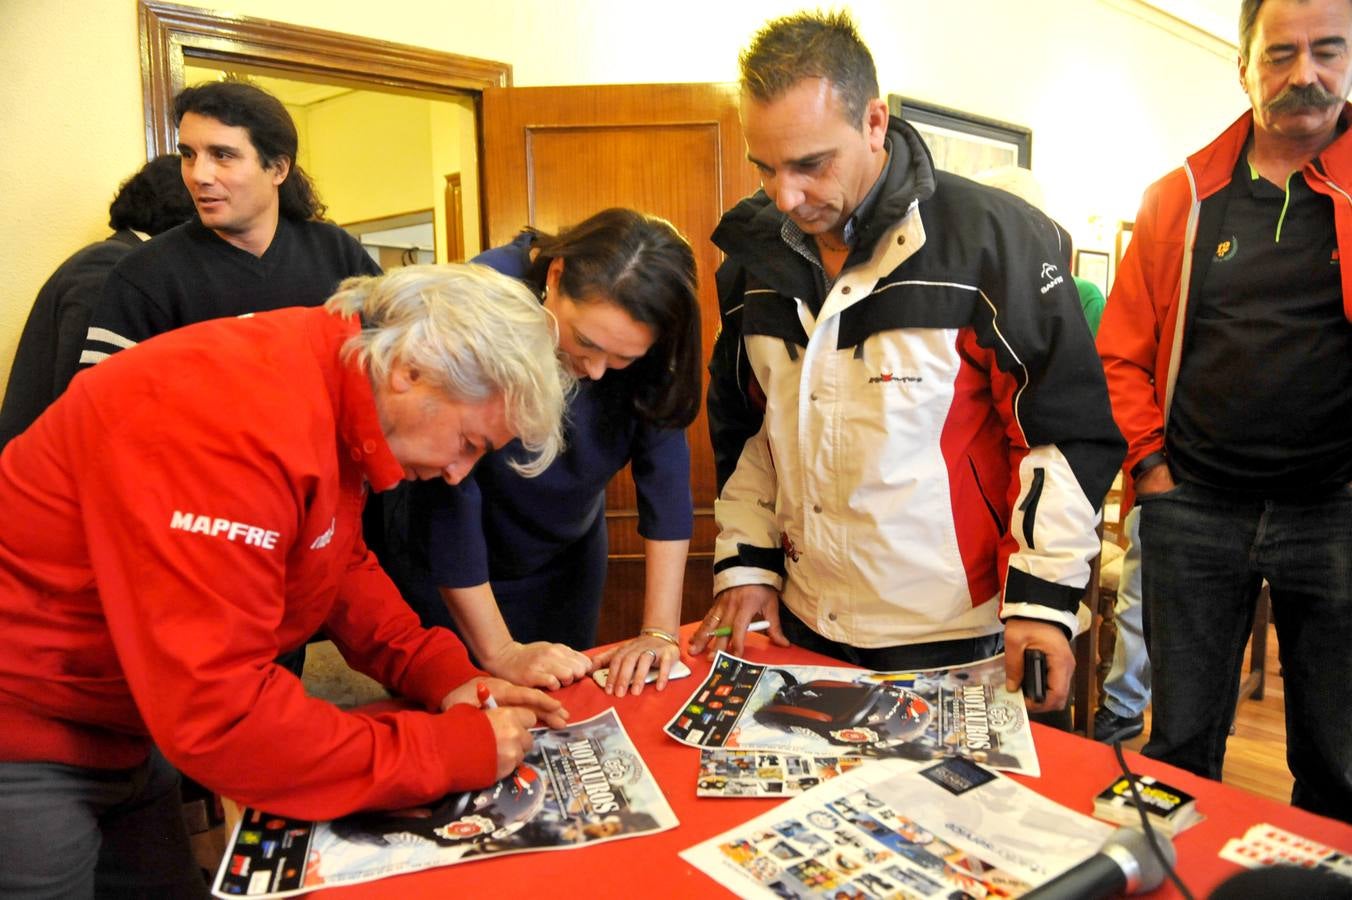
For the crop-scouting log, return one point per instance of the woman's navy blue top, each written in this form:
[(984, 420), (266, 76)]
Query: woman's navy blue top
[(497, 525)]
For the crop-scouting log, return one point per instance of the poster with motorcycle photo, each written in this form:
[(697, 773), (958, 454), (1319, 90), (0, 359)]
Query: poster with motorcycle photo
[(961, 712), (580, 785)]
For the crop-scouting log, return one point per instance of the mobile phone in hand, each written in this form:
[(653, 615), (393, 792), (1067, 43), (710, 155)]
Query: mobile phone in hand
[(1035, 675)]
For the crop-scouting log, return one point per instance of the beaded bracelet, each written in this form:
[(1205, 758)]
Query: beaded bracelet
[(661, 635)]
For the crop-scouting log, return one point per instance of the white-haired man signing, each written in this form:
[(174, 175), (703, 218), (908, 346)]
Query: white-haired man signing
[(190, 509)]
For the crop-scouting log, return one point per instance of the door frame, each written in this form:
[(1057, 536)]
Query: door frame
[(169, 33)]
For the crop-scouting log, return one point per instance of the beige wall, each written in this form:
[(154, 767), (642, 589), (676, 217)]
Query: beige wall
[(352, 169), (354, 173), (454, 150), (1114, 97)]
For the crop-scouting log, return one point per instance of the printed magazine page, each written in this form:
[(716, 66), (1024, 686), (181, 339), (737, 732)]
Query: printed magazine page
[(761, 773), (898, 828), (580, 785), (961, 711), (1267, 845)]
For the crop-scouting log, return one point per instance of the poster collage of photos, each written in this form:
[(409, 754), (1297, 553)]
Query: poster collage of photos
[(903, 830), (757, 773), (961, 712)]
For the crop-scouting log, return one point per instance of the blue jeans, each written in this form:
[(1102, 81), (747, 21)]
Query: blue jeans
[(1205, 554), (72, 832), (1126, 689)]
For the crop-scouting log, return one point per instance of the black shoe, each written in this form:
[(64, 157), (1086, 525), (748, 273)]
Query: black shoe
[(1109, 726)]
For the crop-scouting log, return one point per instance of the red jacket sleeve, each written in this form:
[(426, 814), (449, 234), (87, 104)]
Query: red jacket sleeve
[(380, 636), (1130, 334), (193, 617)]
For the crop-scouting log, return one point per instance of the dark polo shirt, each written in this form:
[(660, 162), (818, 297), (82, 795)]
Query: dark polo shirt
[(1263, 403)]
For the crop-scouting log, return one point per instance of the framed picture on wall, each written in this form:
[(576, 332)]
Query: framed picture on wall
[(962, 143), (1092, 265)]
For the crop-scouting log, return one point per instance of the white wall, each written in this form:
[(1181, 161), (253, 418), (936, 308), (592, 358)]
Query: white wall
[(1113, 96)]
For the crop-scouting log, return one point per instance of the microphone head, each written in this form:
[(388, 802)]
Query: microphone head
[(1134, 844)]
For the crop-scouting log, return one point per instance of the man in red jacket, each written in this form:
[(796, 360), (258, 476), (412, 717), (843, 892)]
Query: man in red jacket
[(1228, 350), (191, 508)]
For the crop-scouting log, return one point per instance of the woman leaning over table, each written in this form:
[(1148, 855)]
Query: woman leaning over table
[(521, 562)]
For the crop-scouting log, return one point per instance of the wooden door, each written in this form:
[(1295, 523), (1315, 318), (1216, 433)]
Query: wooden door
[(553, 156)]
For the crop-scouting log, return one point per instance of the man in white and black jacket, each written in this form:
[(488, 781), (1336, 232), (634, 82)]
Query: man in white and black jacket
[(911, 427)]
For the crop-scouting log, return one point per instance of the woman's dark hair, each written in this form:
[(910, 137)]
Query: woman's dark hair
[(154, 199), (642, 264), (243, 105)]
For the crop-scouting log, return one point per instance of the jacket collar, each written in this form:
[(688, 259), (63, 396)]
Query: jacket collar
[(1214, 164), (359, 435), (750, 231)]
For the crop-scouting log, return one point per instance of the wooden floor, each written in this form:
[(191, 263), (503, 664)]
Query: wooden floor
[(1255, 758)]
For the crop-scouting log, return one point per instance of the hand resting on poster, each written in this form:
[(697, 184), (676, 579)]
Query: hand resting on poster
[(644, 660)]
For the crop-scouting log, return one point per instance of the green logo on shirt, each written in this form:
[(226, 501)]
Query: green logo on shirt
[(1227, 249)]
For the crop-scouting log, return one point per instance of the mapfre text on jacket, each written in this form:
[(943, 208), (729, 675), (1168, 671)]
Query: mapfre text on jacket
[(252, 535)]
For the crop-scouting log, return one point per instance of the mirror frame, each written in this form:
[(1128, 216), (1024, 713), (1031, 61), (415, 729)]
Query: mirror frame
[(169, 32)]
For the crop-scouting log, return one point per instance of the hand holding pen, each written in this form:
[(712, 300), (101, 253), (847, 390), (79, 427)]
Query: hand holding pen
[(725, 626), (726, 630)]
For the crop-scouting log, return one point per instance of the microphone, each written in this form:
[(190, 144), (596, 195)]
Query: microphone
[(1125, 864)]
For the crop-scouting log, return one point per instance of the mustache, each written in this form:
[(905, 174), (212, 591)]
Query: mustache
[(1305, 96)]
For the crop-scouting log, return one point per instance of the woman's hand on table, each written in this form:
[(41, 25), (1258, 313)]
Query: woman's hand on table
[(630, 663), (539, 664), (734, 609)]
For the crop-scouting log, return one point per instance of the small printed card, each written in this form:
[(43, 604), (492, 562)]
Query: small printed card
[(1171, 810), (766, 773), (1267, 845)]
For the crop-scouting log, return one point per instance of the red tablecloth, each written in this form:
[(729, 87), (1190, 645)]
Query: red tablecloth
[(1074, 770)]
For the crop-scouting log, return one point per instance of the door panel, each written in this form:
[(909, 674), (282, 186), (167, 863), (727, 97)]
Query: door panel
[(553, 156)]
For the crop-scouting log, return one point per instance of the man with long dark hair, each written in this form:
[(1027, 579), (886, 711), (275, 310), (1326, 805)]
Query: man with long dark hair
[(258, 241)]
